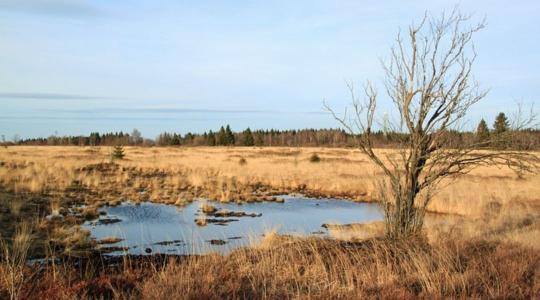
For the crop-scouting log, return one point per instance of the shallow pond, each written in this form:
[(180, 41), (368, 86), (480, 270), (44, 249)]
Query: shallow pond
[(160, 228)]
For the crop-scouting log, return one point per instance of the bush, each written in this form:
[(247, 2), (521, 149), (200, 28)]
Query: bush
[(242, 161), (314, 158)]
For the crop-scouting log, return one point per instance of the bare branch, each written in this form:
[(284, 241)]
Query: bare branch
[(430, 82)]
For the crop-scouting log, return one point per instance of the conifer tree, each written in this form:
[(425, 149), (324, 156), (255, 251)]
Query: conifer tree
[(501, 124), (222, 137), (248, 138), (259, 141), (211, 139), (118, 152), (482, 131), (230, 140), (175, 141), (95, 139), (188, 138)]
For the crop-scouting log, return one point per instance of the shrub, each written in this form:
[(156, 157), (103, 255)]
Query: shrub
[(242, 161), (314, 158)]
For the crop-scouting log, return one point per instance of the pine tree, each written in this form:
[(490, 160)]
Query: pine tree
[(259, 140), (211, 139), (118, 152), (230, 140), (248, 138), (501, 123), (482, 131), (95, 139), (188, 138), (175, 141), (222, 137)]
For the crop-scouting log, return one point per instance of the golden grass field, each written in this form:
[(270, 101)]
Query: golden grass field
[(482, 238), (177, 174)]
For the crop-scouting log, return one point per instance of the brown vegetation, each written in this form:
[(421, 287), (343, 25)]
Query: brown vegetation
[(284, 267), (67, 175), (324, 269), (486, 248)]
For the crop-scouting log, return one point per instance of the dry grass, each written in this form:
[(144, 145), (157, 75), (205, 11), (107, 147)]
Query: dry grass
[(325, 269), (13, 261), (520, 226), (487, 248), (314, 268), (176, 175)]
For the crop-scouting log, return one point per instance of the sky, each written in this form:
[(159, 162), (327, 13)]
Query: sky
[(70, 67)]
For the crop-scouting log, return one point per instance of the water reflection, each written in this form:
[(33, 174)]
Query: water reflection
[(159, 228)]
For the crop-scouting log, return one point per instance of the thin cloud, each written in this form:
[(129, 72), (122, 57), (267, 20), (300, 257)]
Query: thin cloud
[(56, 8), (47, 96), (85, 118), (322, 112), (156, 110), (173, 110)]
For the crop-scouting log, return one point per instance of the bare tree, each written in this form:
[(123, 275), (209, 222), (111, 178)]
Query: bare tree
[(429, 80), (136, 137)]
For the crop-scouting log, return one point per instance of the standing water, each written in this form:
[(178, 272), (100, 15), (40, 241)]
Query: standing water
[(160, 228)]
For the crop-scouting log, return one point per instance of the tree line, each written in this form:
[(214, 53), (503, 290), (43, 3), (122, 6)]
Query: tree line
[(526, 139)]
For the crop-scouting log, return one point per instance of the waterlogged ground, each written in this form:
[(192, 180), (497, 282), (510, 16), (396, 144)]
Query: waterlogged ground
[(159, 228)]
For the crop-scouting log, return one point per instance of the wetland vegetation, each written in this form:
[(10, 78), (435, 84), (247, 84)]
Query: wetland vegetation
[(59, 192)]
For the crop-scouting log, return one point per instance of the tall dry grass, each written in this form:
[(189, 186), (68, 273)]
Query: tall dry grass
[(172, 175), (283, 267), (13, 261), (326, 269)]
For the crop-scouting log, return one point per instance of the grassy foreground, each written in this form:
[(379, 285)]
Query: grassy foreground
[(282, 268), (486, 246)]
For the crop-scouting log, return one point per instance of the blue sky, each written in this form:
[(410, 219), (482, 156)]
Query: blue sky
[(76, 66)]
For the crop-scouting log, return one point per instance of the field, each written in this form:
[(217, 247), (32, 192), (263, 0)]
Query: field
[(481, 231), (229, 174)]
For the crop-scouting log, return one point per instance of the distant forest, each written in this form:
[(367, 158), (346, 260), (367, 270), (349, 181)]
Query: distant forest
[(522, 140), (528, 139)]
